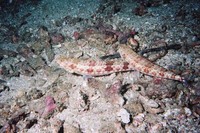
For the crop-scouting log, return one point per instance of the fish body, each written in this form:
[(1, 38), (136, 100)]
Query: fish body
[(145, 66), (92, 67), (131, 61)]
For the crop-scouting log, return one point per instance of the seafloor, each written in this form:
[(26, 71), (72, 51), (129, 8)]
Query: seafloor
[(38, 96)]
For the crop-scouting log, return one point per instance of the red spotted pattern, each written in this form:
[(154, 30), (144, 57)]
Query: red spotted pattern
[(150, 68), (133, 61)]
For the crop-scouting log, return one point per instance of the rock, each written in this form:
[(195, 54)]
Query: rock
[(51, 78), (43, 33), (3, 87), (156, 128), (72, 20), (123, 115), (152, 118), (36, 62), (112, 128), (38, 47), (11, 125), (112, 93), (161, 90), (196, 110), (26, 37), (49, 52), (153, 110), (140, 10), (94, 83), (134, 107), (25, 69), (56, 125), (24, 51), (4, 52), (194, 99), (76, 35), (34, 94), (57, 38), (40, 82), (44, 106), (138, 119), (30, 122), (108, 128), (187, 111), (131, 95), (9, 71), (148, 102), (68, 128)]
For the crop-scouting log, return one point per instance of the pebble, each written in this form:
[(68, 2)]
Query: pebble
[(34, 94), (36, 63), (148, 102), (134, 107), (154, 110), (68, 128), (124, 115), (187, 111), (130, 95), (56, 125), (40, 82), (49, 53), (138, 119), (108, 128), (38, 47)]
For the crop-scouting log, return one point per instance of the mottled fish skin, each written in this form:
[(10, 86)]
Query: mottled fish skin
[(92, 67), (133, 61), (145, 66)]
